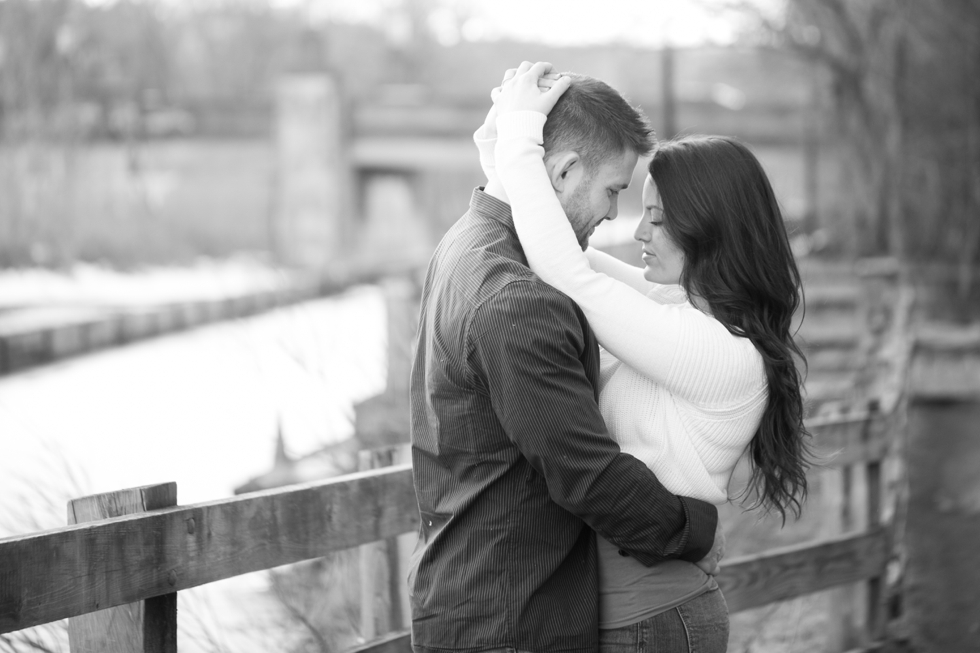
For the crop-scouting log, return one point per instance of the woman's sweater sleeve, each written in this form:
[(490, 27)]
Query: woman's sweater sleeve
[(485, 145), (619, 270), (651, 338), (599, 261)]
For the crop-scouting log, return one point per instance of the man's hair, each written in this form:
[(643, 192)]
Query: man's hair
[(593, 119)]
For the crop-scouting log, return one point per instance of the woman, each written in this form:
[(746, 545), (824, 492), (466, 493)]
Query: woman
[(698, 362)]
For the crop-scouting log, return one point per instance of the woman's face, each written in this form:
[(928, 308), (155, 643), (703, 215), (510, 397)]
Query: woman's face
[(663, 260)]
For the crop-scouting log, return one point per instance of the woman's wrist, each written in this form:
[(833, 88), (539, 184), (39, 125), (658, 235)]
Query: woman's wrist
[(521, 124), (485, 142)]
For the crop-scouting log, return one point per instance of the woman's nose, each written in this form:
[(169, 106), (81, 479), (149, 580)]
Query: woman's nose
[(642, 232)]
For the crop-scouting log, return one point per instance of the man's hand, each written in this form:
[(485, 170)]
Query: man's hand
[(532, 87), (711, 563), (545, 82)]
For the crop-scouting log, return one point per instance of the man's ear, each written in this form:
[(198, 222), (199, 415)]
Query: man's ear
[(563, 168)]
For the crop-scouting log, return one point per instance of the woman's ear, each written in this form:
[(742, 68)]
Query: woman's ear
[(563, 168)]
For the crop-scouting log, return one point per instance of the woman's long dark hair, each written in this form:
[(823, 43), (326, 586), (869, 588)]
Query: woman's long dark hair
[(720, 210)]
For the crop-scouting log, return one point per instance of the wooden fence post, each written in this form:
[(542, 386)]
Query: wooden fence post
[(856, 489), (383, 420), (875, 593), (387, 559), (880, 316), (148, 626), (836, 497), (886, 354)]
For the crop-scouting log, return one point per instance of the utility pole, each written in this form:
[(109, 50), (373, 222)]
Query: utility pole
[(811, 154), (668, 94)]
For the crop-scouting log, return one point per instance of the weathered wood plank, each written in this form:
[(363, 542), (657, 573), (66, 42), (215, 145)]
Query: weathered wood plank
[(97, 507), (875, 595), (384, 591), (145, 626), (79, 569), (827, 338), (834, 491), (856, 437), (752, 581)]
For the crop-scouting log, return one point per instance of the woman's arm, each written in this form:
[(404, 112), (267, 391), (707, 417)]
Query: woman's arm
[(628, 274), (645, 335), (486, 136), (485, 139)]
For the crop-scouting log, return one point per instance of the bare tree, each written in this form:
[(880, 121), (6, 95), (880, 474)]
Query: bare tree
[(903, 78)]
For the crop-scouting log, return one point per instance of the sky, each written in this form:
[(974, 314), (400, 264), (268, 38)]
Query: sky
[(650, 23), (556, 22)]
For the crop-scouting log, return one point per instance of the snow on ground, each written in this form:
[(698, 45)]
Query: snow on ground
[(201, 407), (87, 284)]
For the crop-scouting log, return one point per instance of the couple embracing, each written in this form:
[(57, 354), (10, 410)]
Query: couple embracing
[(575, 419)]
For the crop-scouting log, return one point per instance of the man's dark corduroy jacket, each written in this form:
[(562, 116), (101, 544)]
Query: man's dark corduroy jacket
[(511, 458)]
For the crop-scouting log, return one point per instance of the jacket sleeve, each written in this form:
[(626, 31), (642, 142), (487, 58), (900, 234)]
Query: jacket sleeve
[(529, 346)]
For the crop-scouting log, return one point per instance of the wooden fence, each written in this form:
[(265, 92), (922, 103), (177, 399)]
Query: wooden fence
[(160, 548), (132, 550)]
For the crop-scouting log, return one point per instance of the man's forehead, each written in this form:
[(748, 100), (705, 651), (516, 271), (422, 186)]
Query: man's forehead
[(618, 168)]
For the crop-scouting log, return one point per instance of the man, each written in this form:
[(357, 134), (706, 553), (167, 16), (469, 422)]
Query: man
[(514, 471)]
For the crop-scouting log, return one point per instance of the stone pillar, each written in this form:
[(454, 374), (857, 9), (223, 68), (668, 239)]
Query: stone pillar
[(313, 170)]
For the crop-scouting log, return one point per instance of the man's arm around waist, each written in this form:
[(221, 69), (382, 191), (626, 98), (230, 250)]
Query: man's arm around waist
[(529, 343)]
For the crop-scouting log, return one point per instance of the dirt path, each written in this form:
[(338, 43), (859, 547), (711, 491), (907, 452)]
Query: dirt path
[(943, 581)]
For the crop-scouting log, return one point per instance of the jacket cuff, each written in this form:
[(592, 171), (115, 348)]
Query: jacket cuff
[(702, 521)]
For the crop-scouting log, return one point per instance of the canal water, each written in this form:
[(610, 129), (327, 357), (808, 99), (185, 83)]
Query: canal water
[(201, 408)]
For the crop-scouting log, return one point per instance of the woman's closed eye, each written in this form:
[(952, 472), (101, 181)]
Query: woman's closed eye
[(656, 214)]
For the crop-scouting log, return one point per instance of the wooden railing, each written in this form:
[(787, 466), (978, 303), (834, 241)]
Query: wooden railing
[(133, 550), (121, 560), (157, 551)]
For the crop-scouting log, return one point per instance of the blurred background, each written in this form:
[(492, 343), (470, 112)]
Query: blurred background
[(226, 205)]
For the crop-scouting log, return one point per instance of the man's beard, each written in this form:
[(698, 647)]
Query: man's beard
[(578, 212)]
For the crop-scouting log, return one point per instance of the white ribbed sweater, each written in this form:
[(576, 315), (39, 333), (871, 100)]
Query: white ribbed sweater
[(679, 391)]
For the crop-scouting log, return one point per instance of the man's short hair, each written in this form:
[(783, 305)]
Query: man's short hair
[(593, 119)]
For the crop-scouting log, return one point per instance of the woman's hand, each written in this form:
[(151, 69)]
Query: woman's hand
[(545, 83), (531, 87)]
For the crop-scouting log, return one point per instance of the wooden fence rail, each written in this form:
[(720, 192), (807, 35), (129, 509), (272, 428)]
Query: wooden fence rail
[(117, 561), (96, 565)]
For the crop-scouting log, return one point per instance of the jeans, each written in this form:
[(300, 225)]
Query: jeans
[(698, 626), (506, 649)]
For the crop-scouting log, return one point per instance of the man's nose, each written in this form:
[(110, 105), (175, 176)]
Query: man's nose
[(613, 210)]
